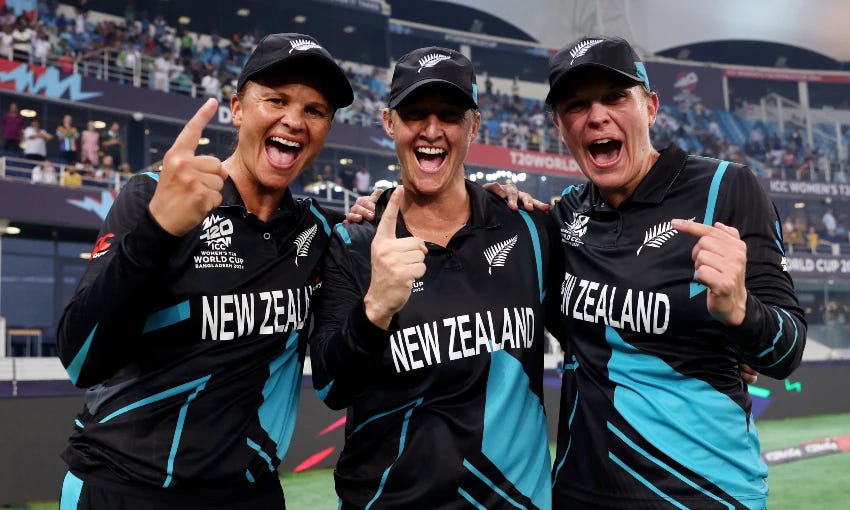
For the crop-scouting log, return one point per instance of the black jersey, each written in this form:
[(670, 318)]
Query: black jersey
[(653, 412), (193, 346), (445, 410)]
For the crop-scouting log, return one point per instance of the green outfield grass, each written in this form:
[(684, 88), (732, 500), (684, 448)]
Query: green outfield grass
[(821, 483)]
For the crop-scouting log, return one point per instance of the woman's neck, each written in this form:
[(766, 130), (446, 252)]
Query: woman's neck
[(437, 218)]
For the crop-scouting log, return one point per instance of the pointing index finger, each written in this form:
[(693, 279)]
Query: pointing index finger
[(691, 227), (386, 227), (188, 138)]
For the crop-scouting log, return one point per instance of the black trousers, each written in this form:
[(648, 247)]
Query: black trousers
[(84, 493)]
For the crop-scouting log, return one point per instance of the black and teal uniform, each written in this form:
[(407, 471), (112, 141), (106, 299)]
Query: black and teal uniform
[(444, 410), (191, 348), (654, 413)]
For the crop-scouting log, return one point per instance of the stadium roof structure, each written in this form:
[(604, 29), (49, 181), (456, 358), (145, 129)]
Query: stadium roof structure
[(781, 33)]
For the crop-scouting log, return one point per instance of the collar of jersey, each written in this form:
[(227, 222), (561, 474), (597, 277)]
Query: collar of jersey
[(230, 198)]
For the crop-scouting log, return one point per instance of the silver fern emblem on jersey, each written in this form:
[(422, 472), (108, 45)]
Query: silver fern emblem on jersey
[(572, 232), (582, 47), (498, 253), (303, 45), (431, 60), (658, 235), (302, 242)]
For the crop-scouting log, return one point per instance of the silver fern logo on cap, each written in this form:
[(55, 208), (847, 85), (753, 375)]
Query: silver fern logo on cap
[(498, 253), (431, 60), (303, 45), (581, 48)]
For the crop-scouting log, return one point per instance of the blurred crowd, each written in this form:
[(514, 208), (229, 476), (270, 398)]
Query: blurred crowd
[(176, 60)]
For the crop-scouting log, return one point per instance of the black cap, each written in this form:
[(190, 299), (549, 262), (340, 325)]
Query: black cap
[(610, 53), (430, 65), (275, 50)]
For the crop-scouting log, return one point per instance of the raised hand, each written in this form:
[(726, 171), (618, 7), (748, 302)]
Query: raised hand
[(189, 186), (720, 260), (396, 263), (363, 208), (514, 196)]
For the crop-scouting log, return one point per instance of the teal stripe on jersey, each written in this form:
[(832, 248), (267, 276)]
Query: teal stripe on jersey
[(76, 365), (472, 501), (790, 348), (538, 257), (340, 229), (689, 420), (414, 403), (263, 455), (569, 189), (249, 476), (646, 482), (401, 442), (323, 393), (495, 487), (778, 239), (775, 338), (196, 385), (166, 317), (510, 406), (713, 192), (658, 462), (281, 395), (708, 219), (152, 175), (178, 432), (72, 487), (321, 217)]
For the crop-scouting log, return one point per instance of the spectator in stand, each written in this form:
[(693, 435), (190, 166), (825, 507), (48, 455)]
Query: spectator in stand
[(44, 172), (41, 48), (789, 163), (64, 56), (829, 223), (13, 126), (6, 42), (805, 169), (90, 144), (210, 83), (363, 181), (112, 143), (787, 227), (67, 136), (22, 36), (812, 239), (125, 169), (162, 67), (35, 141), (80, 21), (347, 173), (106, 172), (71, 177), (87, 170)]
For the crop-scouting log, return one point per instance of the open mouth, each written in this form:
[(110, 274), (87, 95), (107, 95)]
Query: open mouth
[(605, 151), (282, 152), (430, 158)]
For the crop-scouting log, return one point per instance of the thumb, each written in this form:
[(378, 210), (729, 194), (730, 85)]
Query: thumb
[(386, 227)]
